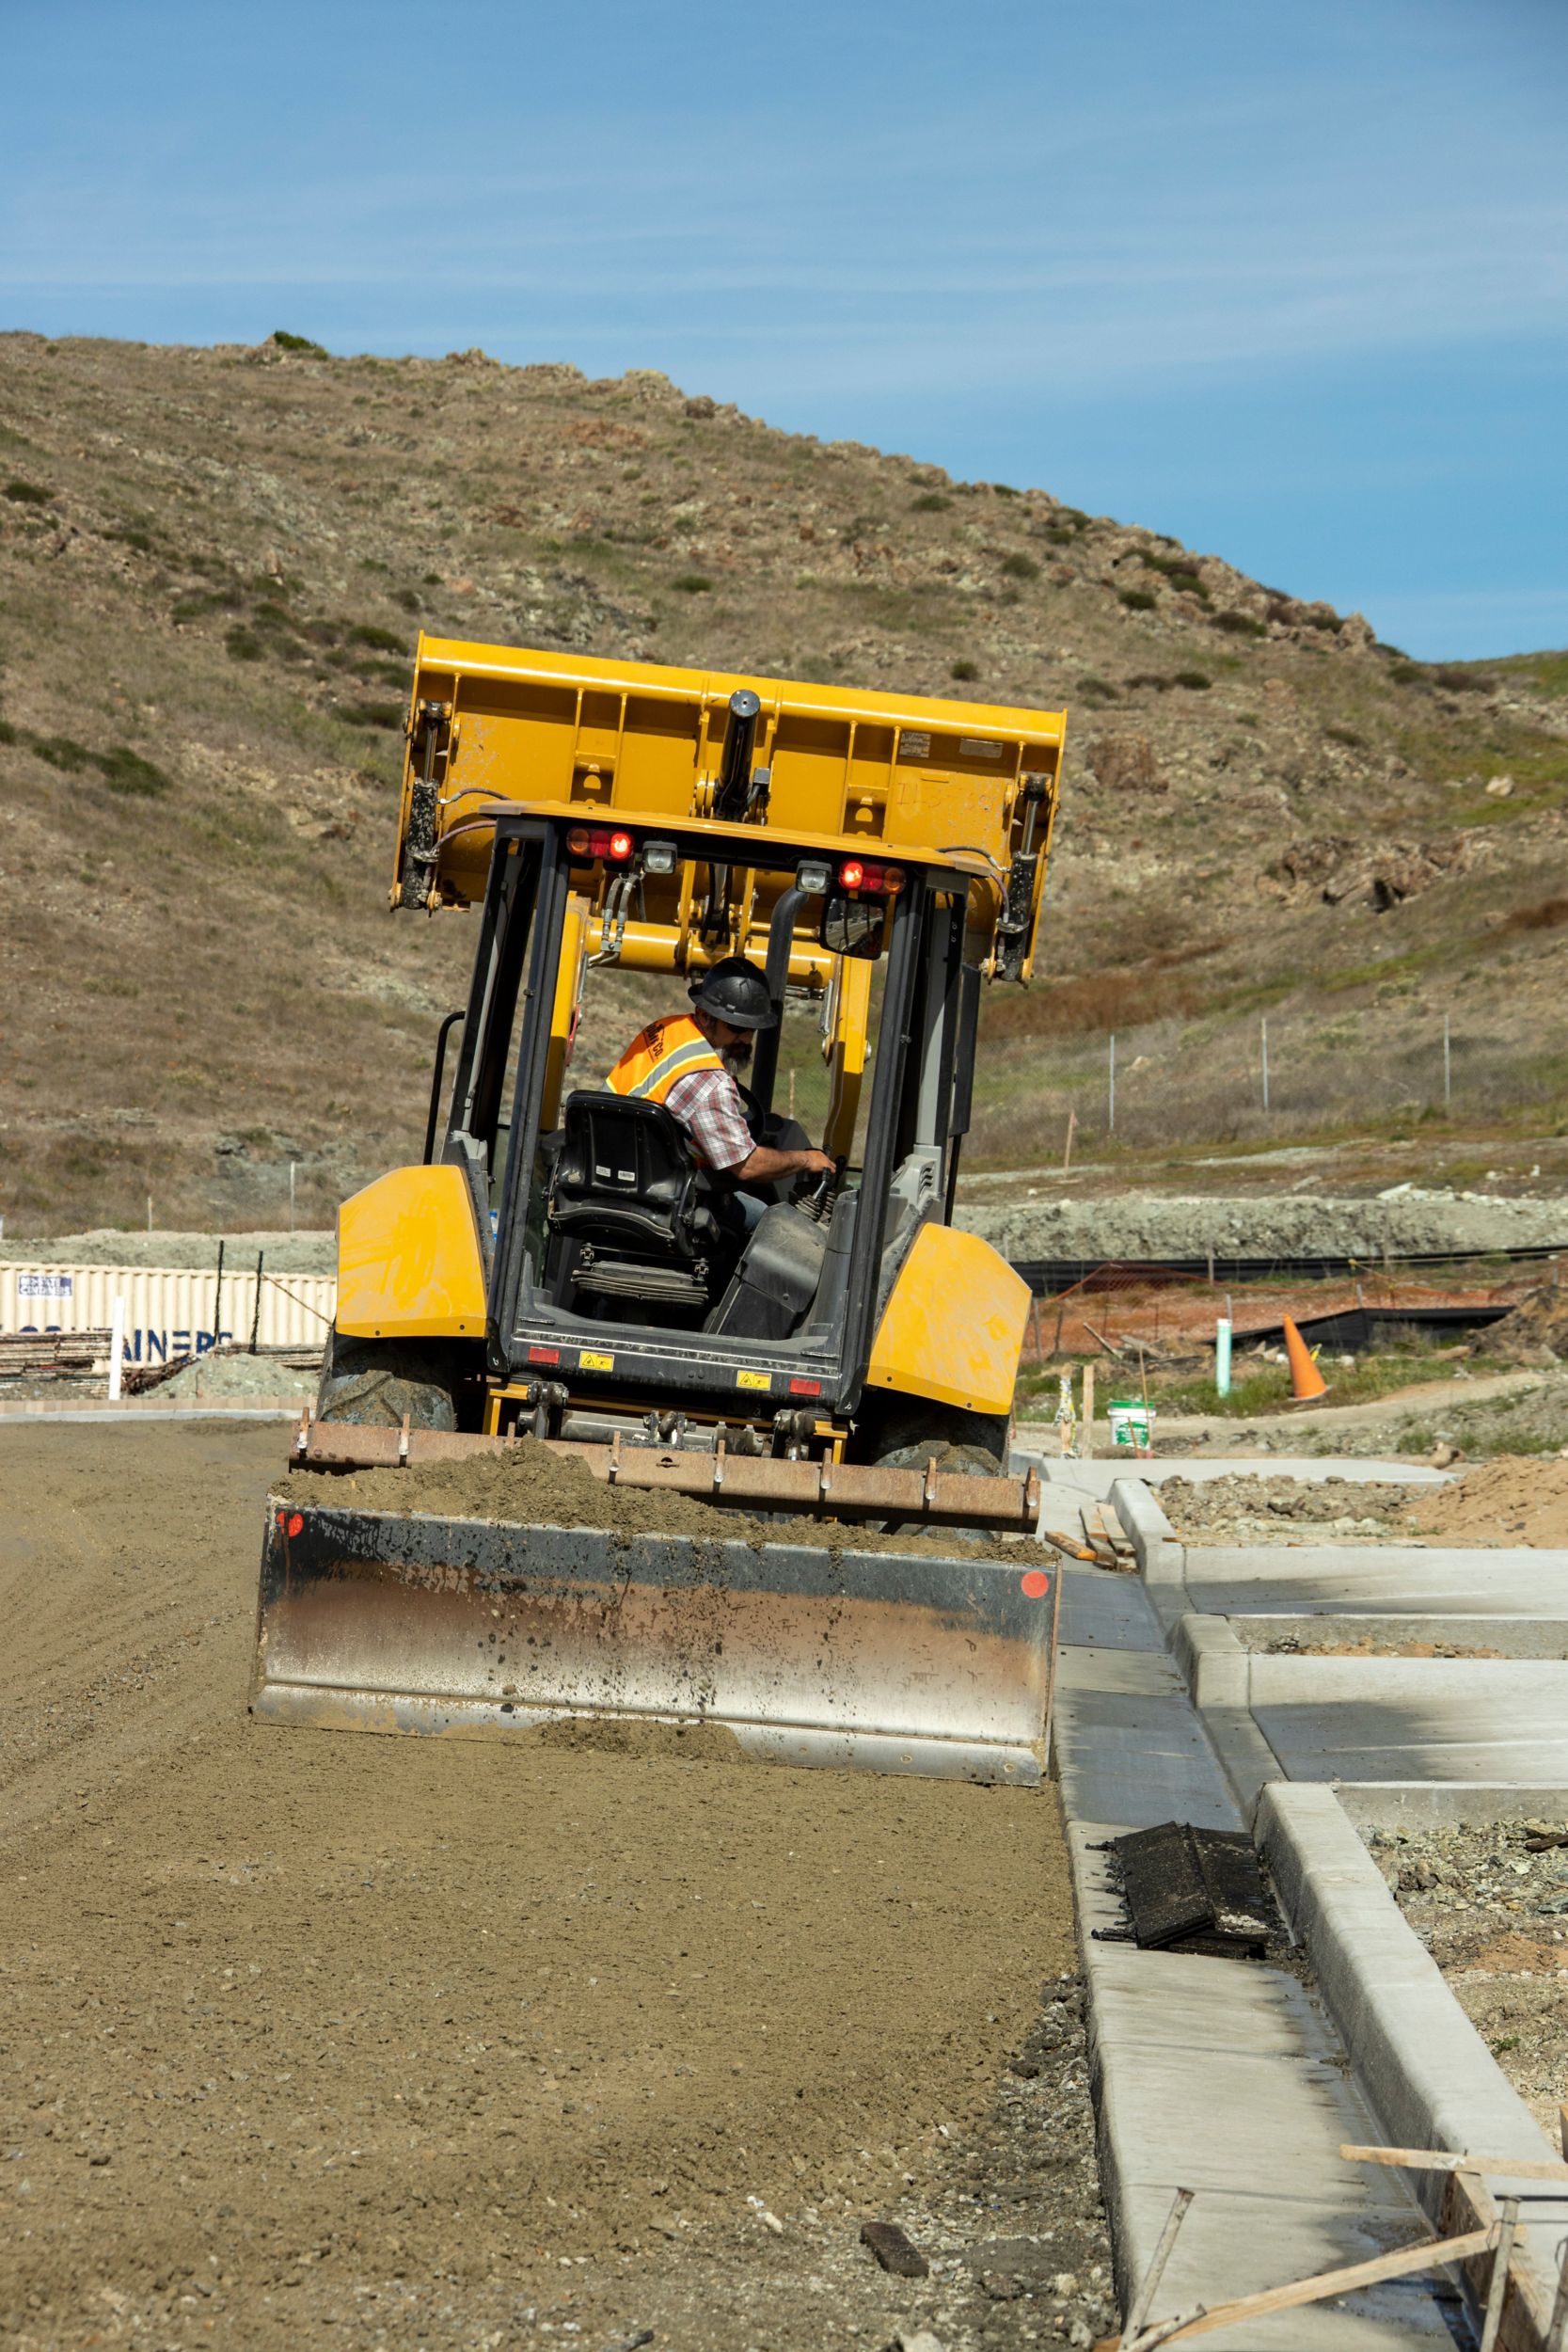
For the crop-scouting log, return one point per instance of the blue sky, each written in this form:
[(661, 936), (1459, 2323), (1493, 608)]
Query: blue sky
[(1290, 282)]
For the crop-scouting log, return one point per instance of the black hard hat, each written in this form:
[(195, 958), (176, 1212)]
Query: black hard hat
[(735, 990)]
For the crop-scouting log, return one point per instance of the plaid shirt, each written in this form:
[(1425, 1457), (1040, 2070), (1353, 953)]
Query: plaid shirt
[(709, 1107)]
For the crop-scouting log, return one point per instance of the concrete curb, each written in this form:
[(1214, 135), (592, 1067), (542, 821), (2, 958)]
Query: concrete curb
[(1446, 1804), (1424, 2069), (1161, 1559), (1216, 1665)]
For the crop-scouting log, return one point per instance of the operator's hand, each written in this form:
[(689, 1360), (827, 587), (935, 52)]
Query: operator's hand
[(766, 1164)]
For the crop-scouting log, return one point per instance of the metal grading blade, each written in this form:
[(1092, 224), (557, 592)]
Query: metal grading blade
[(884, 1661)]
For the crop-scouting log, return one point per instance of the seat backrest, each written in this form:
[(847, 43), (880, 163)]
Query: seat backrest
[(626, 1173)]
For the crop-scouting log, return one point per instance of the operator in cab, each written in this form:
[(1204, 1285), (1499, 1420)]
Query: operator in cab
[(692, 1064)]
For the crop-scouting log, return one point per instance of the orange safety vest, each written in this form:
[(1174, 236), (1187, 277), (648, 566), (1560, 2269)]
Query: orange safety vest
[(660, 1054)]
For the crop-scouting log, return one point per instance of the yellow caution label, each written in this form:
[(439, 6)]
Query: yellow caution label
[(596, 1363), (753, 1379)]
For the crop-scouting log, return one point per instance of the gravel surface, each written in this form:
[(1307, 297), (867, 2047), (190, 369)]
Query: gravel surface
[(317, 2038), (1248, 1510), (1493, 1914), (1282, 1225), (285, 1253)]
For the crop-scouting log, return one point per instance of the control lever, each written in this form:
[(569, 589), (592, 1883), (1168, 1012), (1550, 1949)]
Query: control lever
[(816, 1194)]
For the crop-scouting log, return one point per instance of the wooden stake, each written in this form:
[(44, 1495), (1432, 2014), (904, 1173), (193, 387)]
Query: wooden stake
[(1430, 2254), (1089, 1409), (1137, 2317), (1440, 2160), (1498, 2287), (1067, 1155)]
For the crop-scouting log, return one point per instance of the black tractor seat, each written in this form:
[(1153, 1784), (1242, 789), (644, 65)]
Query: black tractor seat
[(629, 1211)]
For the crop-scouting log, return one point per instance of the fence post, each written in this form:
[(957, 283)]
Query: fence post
[(1113, 1083), (291, 1196), (1447, 1067), (1265, 1028), (116, 1347), (256, 1309)]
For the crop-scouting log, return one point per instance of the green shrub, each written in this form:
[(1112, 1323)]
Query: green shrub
[(243, 646), (1195, 681), (1348, 736), (381, 639), (1003, 489), (691, 583), (130, 537), (1178, 569), (1404, 672), (8, 733), (1020, 567), (373, 714), (1240, 623), (125, 771), (1136, 599), (409, 598), (1097, 690), (63, 751), (964, 671), (302, 344), (930, 502), (28, 494)]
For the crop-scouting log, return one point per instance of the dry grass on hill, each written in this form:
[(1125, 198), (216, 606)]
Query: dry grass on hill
[(213, 568)]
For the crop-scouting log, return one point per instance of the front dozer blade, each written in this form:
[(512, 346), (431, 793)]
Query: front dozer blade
[(905, 1662)]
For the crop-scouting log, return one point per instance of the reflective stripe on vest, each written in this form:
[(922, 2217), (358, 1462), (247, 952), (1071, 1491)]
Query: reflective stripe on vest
[(660, 1054)]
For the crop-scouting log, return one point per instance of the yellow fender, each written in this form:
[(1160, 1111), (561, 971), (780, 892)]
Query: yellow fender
[(408, 1258), (953, 1327)]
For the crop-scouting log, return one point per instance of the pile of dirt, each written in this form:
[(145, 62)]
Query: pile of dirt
[(1491, 1904), (1250, 1510), (1535, 1333), (312, 2030), (529, 1485), (1153, 1227), (109, 1244), (1514, 1499)]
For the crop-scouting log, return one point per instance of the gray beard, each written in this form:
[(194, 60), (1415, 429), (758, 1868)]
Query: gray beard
[(736, 1058)]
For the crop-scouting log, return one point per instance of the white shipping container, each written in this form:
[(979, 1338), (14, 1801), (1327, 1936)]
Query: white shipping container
[(169, 1311)]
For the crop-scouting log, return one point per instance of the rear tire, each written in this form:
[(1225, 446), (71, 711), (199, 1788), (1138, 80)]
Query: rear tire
[(903, 1433), (378, 1384), (907, 1433)]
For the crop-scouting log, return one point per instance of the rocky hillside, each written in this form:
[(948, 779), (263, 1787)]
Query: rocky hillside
[(212, 564)]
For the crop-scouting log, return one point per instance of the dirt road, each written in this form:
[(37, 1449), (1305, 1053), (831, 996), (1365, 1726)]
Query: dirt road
[(306, 2031)]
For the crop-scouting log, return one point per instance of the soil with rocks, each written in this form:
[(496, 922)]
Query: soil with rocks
[(1491, 1905), (428, 2042), (1153, 1226), (1528, 1418), (1518, 1500), (1535, 1333), (530, 1486), (285, 1252), (1248, 1510)]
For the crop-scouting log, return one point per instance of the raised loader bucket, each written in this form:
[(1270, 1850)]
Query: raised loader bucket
[(894, 1663)]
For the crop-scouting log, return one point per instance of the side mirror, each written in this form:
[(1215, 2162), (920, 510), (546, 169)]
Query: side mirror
[(854, 927)]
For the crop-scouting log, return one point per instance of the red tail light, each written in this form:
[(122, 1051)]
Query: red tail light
[(583, 843), (879, 879)]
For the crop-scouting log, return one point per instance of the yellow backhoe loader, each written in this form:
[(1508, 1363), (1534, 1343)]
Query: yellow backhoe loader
[(562, 1268)]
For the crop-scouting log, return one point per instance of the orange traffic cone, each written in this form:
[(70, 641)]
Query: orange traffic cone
[(1306, 1381)]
